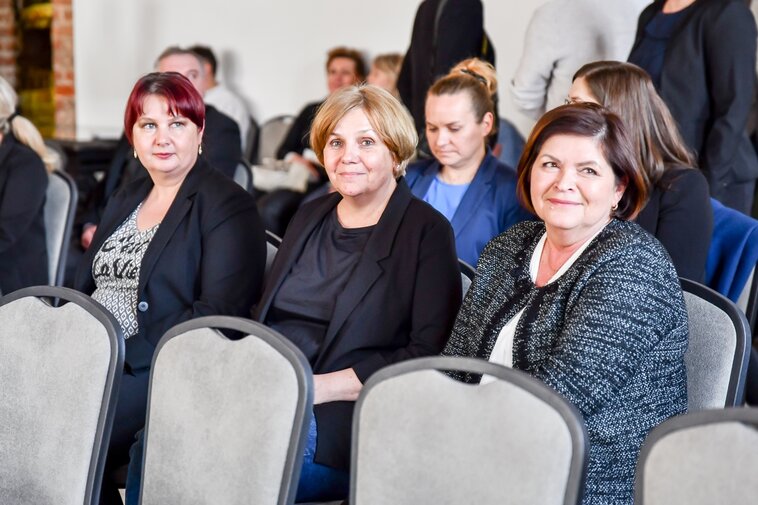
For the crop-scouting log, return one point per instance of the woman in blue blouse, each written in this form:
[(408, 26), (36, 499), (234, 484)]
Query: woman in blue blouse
[(464, 181)]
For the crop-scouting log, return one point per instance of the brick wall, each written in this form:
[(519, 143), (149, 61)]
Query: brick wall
[(7, 41), (62, 37)]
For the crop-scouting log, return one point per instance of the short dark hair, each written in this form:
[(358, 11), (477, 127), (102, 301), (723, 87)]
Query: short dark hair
[(593, 121), (181, 97), (206, 54), (174, 50), (350, 54)]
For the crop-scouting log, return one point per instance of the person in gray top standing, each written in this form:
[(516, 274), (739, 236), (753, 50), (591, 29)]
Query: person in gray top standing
[(562, 36)]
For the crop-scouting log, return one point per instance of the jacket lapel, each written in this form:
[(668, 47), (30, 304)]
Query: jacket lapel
[(477, 190), (421, 184), (176, 212), (369, 268)]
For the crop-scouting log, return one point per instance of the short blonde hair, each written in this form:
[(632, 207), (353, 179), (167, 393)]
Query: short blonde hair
[(387, 116)]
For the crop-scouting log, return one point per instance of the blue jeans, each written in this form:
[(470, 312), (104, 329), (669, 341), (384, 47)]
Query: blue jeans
[(134, 475), (317, 482), (320, 482)]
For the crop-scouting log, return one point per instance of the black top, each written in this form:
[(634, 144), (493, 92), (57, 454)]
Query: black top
[(679, 214), (297, 139), (648, 54), (304, 304), (23, 248)]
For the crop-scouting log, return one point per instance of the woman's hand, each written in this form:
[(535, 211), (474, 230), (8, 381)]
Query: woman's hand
[(343, 385)]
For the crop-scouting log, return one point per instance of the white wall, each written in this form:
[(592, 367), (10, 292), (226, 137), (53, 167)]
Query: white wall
[(271, 51)]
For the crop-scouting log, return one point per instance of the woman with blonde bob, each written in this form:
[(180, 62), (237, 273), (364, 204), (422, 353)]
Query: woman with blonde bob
[(678, 211), (365, 277), (24, 166)]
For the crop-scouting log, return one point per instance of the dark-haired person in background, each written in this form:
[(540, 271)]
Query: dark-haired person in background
[(183, 242), (220, 96), (585, 301), (701, 56)]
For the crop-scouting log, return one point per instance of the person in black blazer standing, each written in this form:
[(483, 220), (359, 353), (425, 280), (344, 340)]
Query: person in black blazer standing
[(182, 243), (24, 166), (701, 56), (365, 277)]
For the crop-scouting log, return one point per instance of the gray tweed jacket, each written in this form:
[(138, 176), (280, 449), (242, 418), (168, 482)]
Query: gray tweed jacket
[(609, 335)]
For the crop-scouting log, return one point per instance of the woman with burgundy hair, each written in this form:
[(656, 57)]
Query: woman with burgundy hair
[(184, 242)]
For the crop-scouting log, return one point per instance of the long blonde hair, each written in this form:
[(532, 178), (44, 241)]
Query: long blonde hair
[(23, 129)]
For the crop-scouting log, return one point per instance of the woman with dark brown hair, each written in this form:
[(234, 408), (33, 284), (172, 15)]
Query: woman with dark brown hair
[(678, 211), (585, 301)]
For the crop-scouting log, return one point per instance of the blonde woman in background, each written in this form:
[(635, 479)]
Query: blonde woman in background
[(24, 166), (384, 71)]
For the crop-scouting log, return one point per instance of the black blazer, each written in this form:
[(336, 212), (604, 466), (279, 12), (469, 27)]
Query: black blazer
[(207, 257), (707, 81), (23, 186), (399, 303)]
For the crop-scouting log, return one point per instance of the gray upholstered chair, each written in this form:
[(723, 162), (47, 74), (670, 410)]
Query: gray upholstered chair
[(60, 368), (251, 142), (271, 135), (243, 175), (60, 208), (272, 247), (226, 419), (467, 275), (718, 349), (421, 437), (702, 458)]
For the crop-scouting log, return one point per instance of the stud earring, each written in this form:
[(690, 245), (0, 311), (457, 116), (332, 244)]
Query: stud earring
[(135, 154)]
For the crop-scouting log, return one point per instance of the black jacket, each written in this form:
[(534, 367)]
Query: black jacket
[(437, 44), (207, 257), (399, 303), (23, 185), (707, 81)]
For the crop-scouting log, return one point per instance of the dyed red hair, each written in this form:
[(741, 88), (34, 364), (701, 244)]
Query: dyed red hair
[(180, 95)]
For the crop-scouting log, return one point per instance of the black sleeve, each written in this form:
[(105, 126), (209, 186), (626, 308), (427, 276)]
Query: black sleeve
[(221, 142), (685, 223), (22, 197)]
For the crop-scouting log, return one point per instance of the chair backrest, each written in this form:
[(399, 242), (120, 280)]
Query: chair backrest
[(272, 247), (226, 419), (243, 175), (60, 368), (420, 436), (271, 135), (748, 301), (60, 208), (701, 458), (717, 351), (251, 143), (467, 275)]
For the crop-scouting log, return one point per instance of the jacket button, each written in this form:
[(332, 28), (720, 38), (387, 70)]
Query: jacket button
[(142, 306)]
